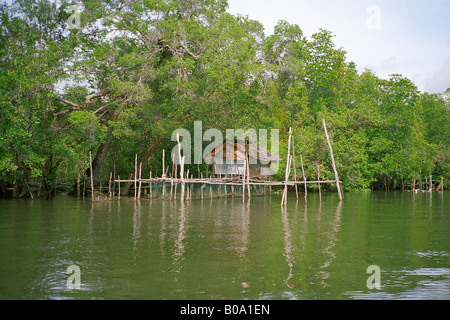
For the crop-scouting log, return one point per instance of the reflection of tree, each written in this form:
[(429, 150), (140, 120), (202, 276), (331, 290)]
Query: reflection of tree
[(331, 244)]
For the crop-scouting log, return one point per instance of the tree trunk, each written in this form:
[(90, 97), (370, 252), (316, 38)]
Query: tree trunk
[(97, 164), (144, 159)]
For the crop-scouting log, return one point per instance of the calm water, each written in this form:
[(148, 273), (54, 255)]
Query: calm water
[(223, 249)]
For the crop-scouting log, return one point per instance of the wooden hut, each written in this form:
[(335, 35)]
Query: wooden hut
[(229, 159)]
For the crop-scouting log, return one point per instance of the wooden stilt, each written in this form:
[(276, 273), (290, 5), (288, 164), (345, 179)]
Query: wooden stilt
[(140, 183), (181, 168), (304, 178), (318, 179), (248, 177), (286, 176), (295, 171), (243, 180), (119, 186), (163, 164), (114, 178), (135, 177), (109, 187), (151, 194), (338, 185), (92, 176)]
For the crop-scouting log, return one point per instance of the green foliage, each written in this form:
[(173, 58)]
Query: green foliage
[(137, 70)]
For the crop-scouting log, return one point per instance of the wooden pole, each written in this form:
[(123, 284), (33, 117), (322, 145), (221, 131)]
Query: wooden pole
[(243, 180), (114, 179), (181, 167), (109, 189), (151, 195), (338, 185), (295, 171), (119, 186), (304, 178), (92, 175), (286, 175), (318, 179), (140, 183), (248, 177), (135, 177), (163, 164)]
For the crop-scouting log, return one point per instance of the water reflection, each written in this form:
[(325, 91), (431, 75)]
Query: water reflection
[(288, 246), (172, 249), (137, 213), (329, 250), (244, 229), (179, 241), (436, 286)]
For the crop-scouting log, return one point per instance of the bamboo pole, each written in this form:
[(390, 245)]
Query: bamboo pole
[(135, 177), (140, 182), (181, 168), (318, 179), (163, 164), (338, 185), (109, 188), (243, 180), (248, 177), (286, 176), (151, 195), (114, 176), (304, 178), (92, 175), (295, 171), (119, 186)]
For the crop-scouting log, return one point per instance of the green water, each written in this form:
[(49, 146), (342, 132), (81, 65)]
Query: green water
[(223, 249)]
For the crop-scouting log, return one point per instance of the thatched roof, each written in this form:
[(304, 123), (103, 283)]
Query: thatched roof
[(236, 150)]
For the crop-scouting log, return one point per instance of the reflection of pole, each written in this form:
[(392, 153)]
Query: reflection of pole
[(332, 237), (338, 185), (288, 247)]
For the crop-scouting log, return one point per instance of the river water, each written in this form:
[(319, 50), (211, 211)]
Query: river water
[(223, 249)]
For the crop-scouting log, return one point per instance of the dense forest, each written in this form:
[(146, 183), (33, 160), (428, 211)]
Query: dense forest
[(116, 78)]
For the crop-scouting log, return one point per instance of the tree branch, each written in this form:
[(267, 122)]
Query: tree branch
[(95, 95)]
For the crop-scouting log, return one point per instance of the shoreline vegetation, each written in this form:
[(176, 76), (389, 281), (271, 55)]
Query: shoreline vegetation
[(129, 74)]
